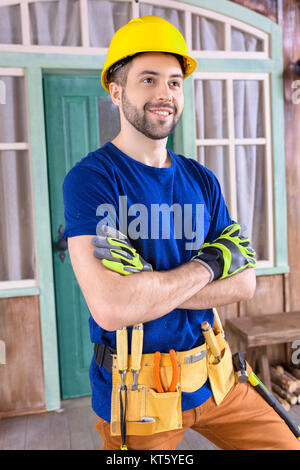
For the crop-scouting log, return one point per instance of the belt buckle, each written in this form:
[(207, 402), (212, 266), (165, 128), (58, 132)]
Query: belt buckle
[(195, 357)]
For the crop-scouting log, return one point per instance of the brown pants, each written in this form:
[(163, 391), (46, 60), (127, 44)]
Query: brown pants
[(243, 421)]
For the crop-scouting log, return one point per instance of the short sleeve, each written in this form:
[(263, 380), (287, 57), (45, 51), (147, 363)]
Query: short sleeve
[(86, 194), (219, 214)]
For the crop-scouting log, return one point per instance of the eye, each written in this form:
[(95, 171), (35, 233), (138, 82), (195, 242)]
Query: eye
[(176, 83), (148, 78)]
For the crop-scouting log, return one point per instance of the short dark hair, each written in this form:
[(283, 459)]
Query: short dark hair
[(118, 72)]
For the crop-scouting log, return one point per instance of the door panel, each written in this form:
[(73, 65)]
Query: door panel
[(72, 130)]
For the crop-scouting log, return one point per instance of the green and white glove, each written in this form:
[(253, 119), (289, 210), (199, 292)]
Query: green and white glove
[(117, 253), (228, 255)]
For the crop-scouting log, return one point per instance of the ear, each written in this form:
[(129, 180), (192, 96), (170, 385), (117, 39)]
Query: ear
[(115, 91)]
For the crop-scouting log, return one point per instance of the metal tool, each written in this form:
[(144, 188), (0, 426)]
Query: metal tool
[(156, 376), (122, 359), (210, 339), (136, 352), (240, 365)]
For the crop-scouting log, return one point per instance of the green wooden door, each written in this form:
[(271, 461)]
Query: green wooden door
[(80, 117), (72, 129)]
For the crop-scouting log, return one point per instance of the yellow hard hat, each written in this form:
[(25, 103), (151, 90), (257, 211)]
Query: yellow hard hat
[(146, 34)]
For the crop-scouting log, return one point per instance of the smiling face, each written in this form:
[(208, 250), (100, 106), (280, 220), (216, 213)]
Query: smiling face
[(152, 101)]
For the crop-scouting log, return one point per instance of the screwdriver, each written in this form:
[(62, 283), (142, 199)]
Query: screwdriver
[(122, 353), (211, 339), (136, 352), (122, 358)]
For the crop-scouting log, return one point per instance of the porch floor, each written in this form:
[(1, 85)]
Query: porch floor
[(71, 428)]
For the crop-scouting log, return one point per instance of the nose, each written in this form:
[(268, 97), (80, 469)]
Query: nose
[(163, 91)]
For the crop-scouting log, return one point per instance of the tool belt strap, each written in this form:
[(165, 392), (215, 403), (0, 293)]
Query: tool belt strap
[(192, 370), (104, 356)]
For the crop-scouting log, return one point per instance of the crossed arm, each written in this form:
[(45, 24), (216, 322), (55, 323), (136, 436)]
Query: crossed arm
[(115, 301)]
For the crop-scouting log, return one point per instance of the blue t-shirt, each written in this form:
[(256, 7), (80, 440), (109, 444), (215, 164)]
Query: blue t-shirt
[(167, 214)]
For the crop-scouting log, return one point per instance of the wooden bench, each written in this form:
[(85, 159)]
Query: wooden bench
[(255, 333)]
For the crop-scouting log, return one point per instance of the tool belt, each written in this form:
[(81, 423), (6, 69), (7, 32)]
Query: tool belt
[(148, 411)]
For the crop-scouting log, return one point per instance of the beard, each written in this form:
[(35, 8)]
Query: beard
[(144, 123)]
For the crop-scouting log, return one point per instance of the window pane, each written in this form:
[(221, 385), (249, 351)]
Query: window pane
[(55, 23), (251, 195), (109, 119), (241, 41), (16, 228), (10, 25), (13, 112), (170, 14), (105, 18), (211, 109), (207, 35), (215, 158), (248, 108)]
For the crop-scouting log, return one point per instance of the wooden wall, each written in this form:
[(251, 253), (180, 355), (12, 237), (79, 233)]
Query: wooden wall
[(21, 378), (282, 292)]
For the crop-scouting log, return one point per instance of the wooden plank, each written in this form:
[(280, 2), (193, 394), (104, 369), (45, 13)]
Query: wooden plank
[(264, 367), (22, 385), (12, 433), (58, 436), (80, 436), (268, 296), (267, 329), (37, 432)]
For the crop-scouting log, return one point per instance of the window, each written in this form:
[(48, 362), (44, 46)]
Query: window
[(17, 267), (233, 129)]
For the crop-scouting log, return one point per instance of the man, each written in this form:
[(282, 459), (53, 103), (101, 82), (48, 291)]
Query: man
[(154, 279)]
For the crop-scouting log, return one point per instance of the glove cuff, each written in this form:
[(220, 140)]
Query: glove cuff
[(195, 258), (212, 258)]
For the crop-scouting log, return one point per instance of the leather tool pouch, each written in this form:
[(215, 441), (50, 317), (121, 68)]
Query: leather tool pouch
[(149, 412), (220, 374)]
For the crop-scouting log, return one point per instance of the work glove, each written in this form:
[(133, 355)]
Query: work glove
[(228, 255), (117, 253)]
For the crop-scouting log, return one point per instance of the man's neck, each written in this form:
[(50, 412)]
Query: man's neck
[(158, 157)]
